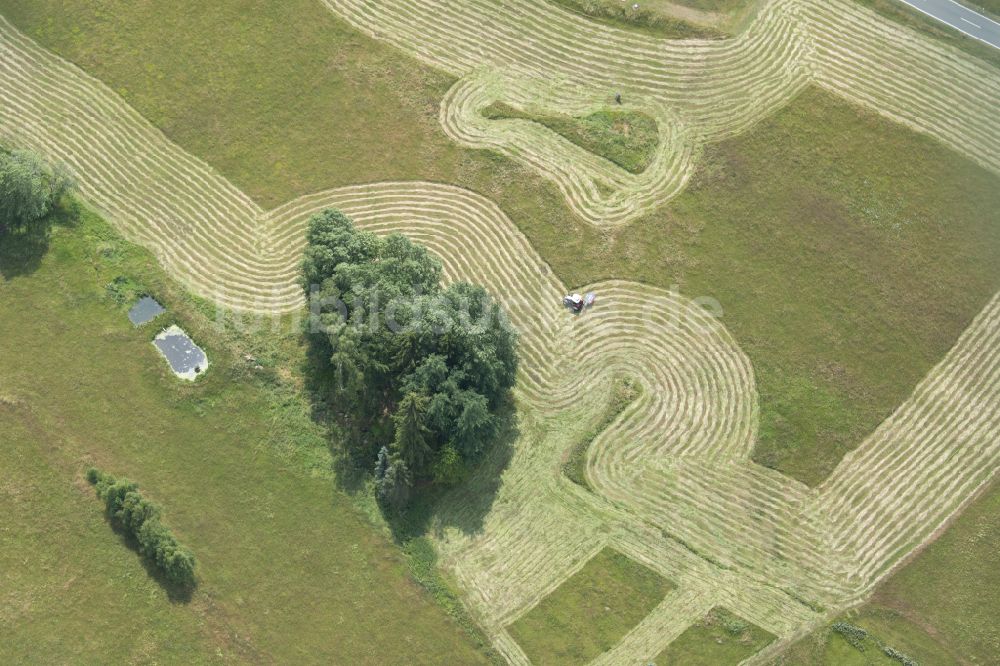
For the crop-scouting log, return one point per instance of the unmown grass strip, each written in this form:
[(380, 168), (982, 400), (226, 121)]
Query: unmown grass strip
[(987, 7), (591, 611), (627, 138), (717, 5), (422, 558), (867, 639)]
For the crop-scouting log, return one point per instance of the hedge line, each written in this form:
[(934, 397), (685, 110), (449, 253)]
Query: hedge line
[(141, 519)]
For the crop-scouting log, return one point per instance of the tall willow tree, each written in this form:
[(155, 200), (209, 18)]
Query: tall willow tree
[(29, 188)]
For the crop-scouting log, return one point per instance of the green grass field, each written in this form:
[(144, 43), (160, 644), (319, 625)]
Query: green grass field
[(289, 568), (100, 604), (985, 6), (591, 611), (720, 639), (847, 252)]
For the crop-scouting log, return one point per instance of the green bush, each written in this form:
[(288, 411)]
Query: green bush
[(855, 635), (734, 625), (29, 188), (893, 653), (124, 289), (140, 519)]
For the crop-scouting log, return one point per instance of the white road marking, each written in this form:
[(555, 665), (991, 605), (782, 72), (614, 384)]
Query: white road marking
[(985, 40)]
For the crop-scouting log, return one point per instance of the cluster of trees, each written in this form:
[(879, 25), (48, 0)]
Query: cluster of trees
[(29, 188), (140, 518), (426, 366)]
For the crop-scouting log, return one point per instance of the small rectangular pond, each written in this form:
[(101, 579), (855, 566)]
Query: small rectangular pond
[(146, 309), (186, 359)]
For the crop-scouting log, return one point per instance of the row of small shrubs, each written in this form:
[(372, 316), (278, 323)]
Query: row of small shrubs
[(857, 637), (140, 518), (893, 653)]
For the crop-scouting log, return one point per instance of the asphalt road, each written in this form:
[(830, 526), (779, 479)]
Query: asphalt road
[(961, 18)]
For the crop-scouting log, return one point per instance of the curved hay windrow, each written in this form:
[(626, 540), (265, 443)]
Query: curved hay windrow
[(531, 53)]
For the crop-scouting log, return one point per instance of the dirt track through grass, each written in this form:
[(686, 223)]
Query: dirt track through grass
[(676, 489)]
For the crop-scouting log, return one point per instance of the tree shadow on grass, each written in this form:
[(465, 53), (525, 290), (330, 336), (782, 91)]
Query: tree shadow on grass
[(178, 594), (465, 505), (431, 507), (22, 249), (351, 442)]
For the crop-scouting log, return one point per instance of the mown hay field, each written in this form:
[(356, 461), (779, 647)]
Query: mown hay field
[(940, 608), (754, 230)]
